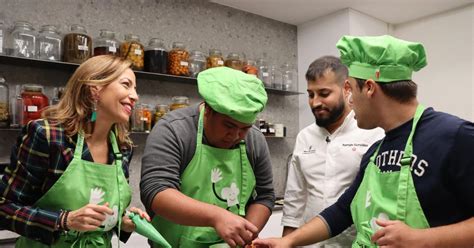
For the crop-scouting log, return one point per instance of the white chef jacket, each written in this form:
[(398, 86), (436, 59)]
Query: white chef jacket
[(322, 167)]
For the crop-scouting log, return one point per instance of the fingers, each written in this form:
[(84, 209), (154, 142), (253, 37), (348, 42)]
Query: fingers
[(377, 235), (141, 213), (104, 209), (251, 227)]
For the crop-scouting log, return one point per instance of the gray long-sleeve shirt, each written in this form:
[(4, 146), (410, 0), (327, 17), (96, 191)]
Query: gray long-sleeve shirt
[(171, 146)]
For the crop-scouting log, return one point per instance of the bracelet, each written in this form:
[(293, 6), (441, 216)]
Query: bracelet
[(65, 215)]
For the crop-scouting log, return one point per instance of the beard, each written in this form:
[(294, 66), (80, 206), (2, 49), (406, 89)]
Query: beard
[(334, 114)]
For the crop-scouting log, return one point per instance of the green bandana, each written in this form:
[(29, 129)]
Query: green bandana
[(233, 93), (381, 58)]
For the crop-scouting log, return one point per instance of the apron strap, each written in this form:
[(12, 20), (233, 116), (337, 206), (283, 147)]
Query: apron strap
[(200, 130), (244, 177), (405, 173), (118, 166), (79, 145)]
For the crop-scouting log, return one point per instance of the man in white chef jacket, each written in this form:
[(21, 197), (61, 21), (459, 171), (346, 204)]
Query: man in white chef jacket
[(327, 153)]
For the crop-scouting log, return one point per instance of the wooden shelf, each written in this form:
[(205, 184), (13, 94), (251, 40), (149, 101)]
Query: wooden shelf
[(70, 67)]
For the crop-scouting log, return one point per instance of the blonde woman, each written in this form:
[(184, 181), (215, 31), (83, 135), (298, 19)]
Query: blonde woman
[(66, 185)]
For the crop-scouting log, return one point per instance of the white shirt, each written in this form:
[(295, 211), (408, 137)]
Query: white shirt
[(322, 167)]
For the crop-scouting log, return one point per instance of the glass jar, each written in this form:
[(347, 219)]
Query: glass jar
[(34, 101), (49, 44), (156, 56), (275, 77), (77, 45), (160, 111), (178, 60), (215, 58), (141, 118), (264, 72), (106, 44), (197, 63), (250, 67), (289, 77), (4, 99), (3, 32), (23, 40), (16, 108), (179, 102), (133, 50), (233, 61)]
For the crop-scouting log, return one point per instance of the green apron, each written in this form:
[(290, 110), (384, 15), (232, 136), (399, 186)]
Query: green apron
[(222, 177), (86, 182), (378, 196)]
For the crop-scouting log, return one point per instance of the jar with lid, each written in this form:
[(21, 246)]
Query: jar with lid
[(49, 44), (179, 102), (133, 50), (197, 63), (264, 72), (3, 32), (289, 75), (178, 60), (160, 111), (23, 40), (141, 118), (4, 106), (275, 77), (215, 58), (106, 44), (77, 45), (233, 61), (250, 67), (156, 56), (34, 101)]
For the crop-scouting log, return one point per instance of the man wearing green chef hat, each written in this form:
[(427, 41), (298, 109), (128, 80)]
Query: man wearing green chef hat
[(415, 186), (206, 170)]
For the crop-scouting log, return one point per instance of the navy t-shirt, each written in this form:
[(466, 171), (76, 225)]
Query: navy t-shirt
[(442, 169)]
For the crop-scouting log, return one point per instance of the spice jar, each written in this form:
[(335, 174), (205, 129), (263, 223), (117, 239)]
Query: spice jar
[(77, 45), (4, 99), (156, 56), (264, 72), (275, 77), (250, 67), (178, 59), (106, 43), (197, 63), (141, 118), (133, 50), (49, 44), (160, 111), (179, 102), (23, 40), (215, 58), (34, 101), (289, 77), (233, 61)]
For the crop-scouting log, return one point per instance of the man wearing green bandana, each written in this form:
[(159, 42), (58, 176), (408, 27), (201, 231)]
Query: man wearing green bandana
[(415, 187), (206, 171)]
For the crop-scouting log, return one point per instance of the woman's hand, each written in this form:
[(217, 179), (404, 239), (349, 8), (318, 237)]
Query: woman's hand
[(88, 218), (127, 223)]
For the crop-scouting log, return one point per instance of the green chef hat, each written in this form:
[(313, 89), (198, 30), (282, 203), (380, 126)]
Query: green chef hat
[(382, 58), (233, 93)]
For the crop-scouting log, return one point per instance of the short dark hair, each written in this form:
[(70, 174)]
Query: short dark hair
[(402, 91), (318, 67)]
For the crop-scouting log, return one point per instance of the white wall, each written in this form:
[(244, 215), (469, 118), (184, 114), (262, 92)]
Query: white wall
[(315, 39), (319, 37), (447, 83)]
